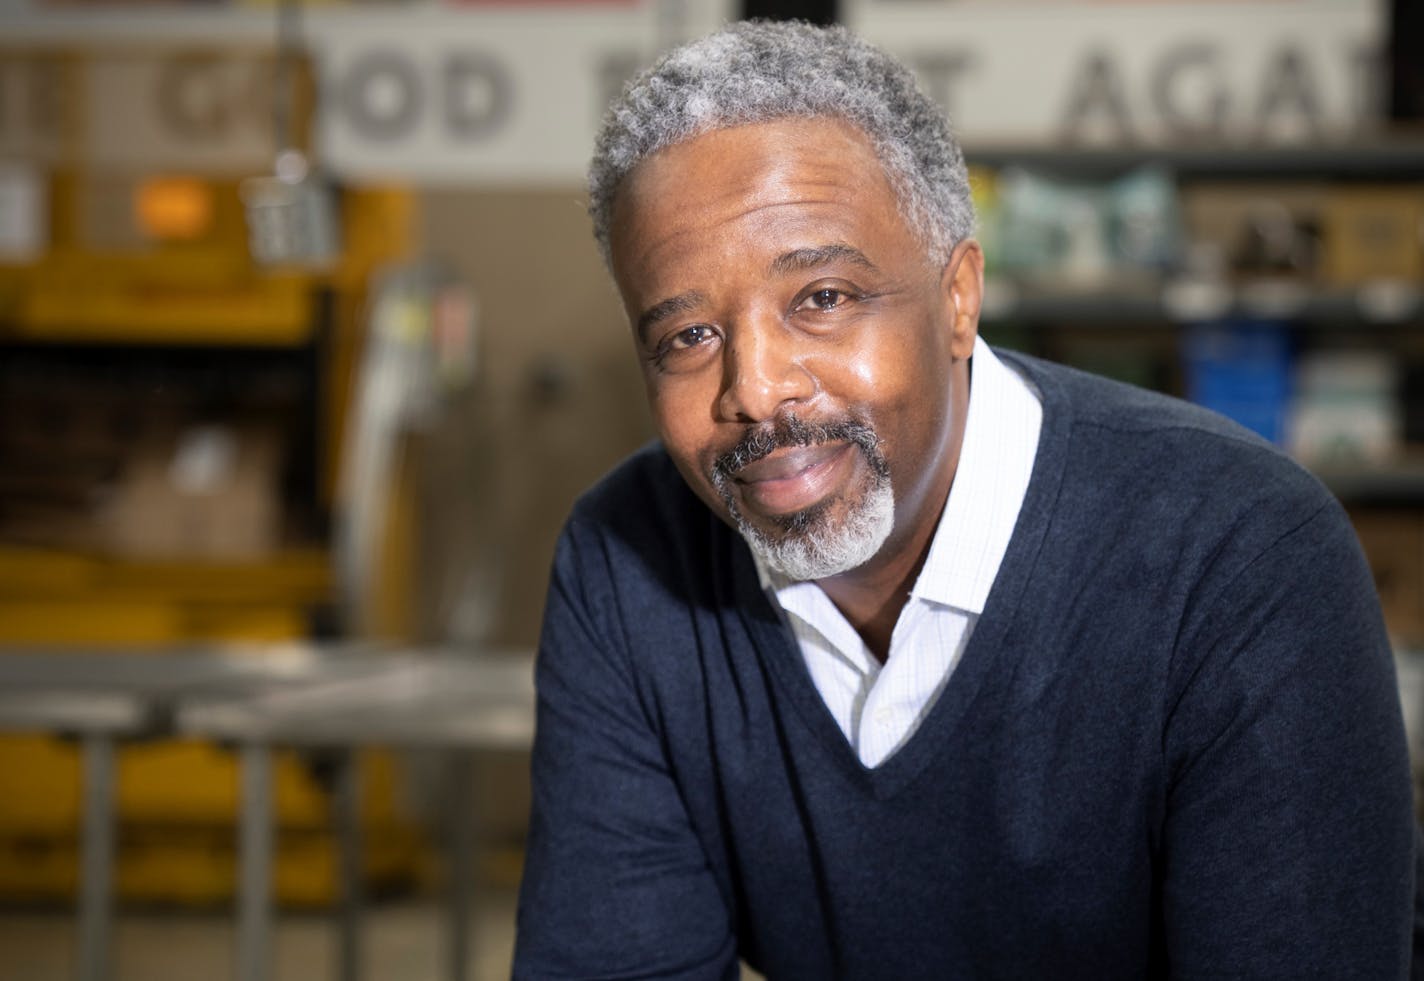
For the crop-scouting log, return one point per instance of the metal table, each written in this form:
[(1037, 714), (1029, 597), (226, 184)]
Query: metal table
[(97, 719), (101, 697), (453, 702), (336, 697)]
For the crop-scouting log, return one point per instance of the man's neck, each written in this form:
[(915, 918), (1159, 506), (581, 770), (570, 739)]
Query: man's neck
[(872, 605)]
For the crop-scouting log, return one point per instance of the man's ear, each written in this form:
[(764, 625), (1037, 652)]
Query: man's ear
[(962, 289)]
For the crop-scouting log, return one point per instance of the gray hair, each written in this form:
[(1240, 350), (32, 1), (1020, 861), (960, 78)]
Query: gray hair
[(758, 71)]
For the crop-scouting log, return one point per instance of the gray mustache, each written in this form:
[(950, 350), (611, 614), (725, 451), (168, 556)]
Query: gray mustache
[(785, 431)]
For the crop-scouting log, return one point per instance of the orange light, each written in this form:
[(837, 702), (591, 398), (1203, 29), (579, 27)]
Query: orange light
[(173, 207)]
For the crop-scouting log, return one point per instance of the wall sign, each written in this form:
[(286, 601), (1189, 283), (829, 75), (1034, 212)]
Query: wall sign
[(506, 97), (513, 95), (196, 109), (1121, 73)]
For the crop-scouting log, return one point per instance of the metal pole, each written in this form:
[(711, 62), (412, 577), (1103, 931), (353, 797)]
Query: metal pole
[(289, 49), (348, 829), (97, 869), (254, 924), (463, 826)]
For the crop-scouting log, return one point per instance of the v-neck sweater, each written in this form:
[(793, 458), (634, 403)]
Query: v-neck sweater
[(1172, 747)]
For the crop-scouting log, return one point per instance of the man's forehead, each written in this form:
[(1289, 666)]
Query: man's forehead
[(756, 201), (747, 166)]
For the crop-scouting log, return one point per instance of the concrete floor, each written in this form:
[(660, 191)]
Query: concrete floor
[(401, 941)]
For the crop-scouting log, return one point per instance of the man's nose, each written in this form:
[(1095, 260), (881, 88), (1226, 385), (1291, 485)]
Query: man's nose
[(763, 371)]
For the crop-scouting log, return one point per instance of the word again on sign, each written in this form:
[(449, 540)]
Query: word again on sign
[(1181, 91), (1190, 96)]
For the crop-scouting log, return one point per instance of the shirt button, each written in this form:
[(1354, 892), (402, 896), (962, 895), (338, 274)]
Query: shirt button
[(885, 718)]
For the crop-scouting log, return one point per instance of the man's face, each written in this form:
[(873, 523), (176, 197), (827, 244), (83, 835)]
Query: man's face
[(801, 351)]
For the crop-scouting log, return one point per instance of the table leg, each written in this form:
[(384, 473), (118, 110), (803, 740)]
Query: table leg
[(463, 826), (254, 925), (348, 829), (96, 876)]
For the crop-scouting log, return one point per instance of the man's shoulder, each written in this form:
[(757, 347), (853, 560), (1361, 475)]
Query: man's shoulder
[(644, 483), (1176, 477), (643, 553), (1161, 437), (641, 512)]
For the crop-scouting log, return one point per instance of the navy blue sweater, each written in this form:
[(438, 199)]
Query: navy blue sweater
[(1172, 747)]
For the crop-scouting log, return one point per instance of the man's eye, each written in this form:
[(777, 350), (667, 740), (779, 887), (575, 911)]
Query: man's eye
[(689, 337), (826, 299)]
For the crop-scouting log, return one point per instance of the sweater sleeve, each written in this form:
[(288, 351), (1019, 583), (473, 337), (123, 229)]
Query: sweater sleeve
[(1288, 839), (616, 883)]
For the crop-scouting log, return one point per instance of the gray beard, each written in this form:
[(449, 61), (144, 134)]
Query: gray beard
[(812, 544), (817, 548)]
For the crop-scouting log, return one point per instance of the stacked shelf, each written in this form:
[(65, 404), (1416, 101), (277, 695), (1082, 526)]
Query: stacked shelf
[(1343, 300)]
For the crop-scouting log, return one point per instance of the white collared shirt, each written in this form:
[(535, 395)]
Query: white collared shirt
[(879, 707)]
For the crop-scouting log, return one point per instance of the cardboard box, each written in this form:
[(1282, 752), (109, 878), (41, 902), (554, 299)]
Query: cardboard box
[(1373, 233), (211, 492), (1256, 228), (1393, 541)]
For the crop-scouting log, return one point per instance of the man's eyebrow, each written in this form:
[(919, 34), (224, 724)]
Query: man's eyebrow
[(799, 260), (672, 306)]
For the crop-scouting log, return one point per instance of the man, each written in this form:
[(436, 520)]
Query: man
[(900, 658)]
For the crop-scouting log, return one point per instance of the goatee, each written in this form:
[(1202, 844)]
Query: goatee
[(830, 537)]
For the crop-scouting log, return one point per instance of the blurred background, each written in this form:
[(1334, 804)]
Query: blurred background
[(305, 349)]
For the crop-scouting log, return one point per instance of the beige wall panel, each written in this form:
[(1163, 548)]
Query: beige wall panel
[(559, 400), (38, 104)]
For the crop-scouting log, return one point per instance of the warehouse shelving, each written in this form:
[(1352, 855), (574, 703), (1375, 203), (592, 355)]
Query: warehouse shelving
[(1140, 320)]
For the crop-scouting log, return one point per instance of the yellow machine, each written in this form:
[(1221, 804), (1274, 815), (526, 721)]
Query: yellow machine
[(152, 556)]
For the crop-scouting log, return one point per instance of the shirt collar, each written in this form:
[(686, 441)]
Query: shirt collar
[(995, 463)]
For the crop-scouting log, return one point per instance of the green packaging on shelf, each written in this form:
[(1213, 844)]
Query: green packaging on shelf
[(1084, 234)]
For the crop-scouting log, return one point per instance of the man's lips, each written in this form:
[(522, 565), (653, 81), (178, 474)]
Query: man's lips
[(795, 478)]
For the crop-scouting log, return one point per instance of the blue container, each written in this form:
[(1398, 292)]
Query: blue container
[(1242, 370)]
